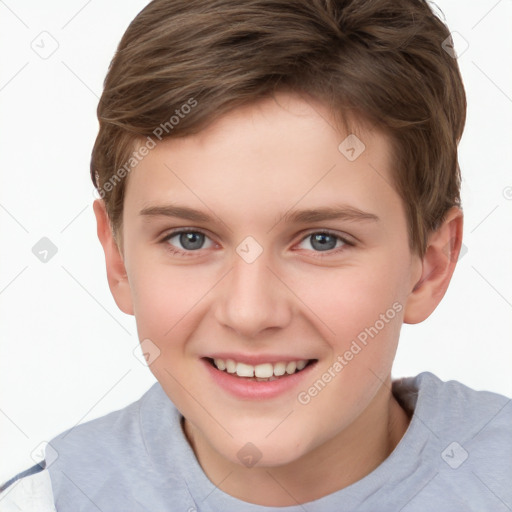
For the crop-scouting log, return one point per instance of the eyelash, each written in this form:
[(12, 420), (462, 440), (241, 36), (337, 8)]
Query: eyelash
[(317, 254)]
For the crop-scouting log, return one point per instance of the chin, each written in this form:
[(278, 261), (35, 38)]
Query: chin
[(260, 452)]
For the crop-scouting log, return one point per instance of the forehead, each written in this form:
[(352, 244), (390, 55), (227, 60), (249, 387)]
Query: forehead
[(278, 152)]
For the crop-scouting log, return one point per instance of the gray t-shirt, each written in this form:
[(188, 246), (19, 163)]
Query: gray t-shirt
[(456, 455)]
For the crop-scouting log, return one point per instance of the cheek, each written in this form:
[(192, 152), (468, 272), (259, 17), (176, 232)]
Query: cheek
[(364, 309), (168, 300), (163, 295), (360, 314), (346, 301)]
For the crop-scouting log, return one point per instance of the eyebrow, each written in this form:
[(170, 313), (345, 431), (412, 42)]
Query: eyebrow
[(342, 212)]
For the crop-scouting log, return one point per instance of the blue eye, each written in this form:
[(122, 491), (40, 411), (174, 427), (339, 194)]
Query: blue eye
[(322, 241), (188, 240)]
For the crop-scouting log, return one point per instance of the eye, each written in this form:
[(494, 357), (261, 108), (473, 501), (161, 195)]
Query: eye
[(323, 241), (187, 241)]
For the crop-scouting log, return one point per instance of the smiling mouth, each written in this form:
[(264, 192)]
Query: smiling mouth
[(266, 372)]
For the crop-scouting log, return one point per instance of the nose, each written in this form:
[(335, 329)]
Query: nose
[(253, 299)]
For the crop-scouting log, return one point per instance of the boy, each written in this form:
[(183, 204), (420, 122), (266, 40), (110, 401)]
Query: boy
[(280, 192)]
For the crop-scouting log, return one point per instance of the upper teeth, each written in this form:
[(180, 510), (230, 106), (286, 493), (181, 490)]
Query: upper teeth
[(261, 371)]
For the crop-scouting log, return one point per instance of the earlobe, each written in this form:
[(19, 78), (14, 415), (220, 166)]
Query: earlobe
[(116, 271), (438, 265)]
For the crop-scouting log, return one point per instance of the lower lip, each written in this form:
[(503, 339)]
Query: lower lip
[(247, 389)]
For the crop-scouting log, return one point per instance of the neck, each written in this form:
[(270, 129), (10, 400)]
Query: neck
[(343, 460)]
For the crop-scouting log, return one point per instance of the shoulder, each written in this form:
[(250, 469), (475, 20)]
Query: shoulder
[(464, 438), (84, 463), (102, 435), (451, 405), (110, 441), (469, 428)]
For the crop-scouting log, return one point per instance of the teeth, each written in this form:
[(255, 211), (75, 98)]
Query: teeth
[(279, 369), (244, 370), (220, 364), (265, 371), (291, 367), (301, 364)]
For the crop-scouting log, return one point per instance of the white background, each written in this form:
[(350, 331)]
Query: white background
[(66, 353)]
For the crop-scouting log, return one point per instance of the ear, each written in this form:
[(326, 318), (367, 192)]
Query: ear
[(116, 272), (438, 264)]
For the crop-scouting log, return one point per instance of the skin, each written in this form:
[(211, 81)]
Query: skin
[(247, 169)]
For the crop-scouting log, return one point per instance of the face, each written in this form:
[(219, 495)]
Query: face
[(262, 244)]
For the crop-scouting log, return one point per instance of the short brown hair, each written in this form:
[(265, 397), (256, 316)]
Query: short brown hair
[(383, 60)]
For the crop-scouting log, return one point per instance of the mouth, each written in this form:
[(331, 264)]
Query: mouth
[(264, 372), (261, 381)]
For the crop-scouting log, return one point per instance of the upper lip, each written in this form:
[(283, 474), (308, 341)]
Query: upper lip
[(255, 359)]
